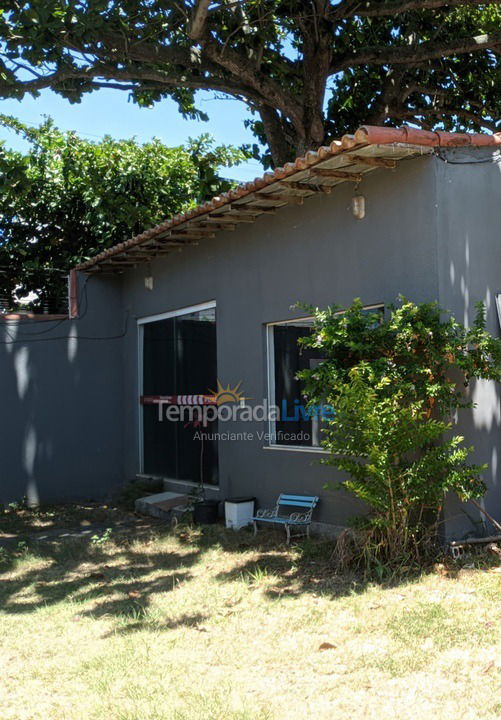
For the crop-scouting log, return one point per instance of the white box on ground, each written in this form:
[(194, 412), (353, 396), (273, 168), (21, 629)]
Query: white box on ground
[(238, 511)]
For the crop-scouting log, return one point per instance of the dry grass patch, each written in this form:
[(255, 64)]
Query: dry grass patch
[(211, 625)]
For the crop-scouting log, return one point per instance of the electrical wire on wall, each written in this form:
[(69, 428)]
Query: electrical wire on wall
[(40, 318), (55, 323), (83, 300)]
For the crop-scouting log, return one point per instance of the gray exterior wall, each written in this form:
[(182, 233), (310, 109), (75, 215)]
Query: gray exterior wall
[(318, 253), (468, 211), (61, 396), (70, 410)]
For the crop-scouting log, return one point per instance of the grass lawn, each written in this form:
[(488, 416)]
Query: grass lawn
[(212, 625)]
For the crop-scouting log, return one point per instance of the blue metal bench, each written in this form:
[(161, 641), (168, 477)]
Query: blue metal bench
[(300, 519)]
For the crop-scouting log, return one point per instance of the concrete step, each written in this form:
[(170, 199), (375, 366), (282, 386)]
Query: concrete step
[(160, 505)]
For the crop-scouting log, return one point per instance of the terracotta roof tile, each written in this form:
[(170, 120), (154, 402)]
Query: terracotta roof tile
[(363, 138)]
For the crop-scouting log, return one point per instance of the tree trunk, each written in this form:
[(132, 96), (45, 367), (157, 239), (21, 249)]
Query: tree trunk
[(317, 58), (280, 141)]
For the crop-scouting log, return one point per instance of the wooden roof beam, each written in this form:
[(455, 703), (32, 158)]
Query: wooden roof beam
[(161, 249), (173, 242), (186, 232), (226, 217), (106, 270), (155, 252), (377, 162), (139, 253), (118, 263), (191, 235), (250, 208), (136, 257), (335, 174), (309, 188), (154, 242), (192, 230), (287, 198), (219, 226)]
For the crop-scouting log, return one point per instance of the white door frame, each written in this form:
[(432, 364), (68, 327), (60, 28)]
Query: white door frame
[(141, 322)]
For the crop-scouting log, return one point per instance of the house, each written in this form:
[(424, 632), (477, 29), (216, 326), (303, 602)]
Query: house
[(198, 313)]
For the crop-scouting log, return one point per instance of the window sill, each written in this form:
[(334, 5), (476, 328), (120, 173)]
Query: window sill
[(185, 483), (297, 448)]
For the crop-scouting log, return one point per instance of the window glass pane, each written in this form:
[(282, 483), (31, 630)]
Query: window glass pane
[(179, 358), (159, 378), (294, 427)]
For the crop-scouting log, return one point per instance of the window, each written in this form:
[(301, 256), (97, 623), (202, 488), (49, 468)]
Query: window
[(285, 359), (178, 352), (294, 429)]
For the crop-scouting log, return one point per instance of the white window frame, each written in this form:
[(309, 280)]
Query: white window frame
[(270, 363), (498, 307), (141, 322), (270, 369)]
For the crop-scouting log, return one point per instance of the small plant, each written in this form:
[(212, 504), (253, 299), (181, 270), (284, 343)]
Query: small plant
[(18, 505), (396, 384), (103, 538), (255, 576), (22, 547)]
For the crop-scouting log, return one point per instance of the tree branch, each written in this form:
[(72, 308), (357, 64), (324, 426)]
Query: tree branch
[(238, 66), (348, 8), (413, 55), (477, 119), (197, 24), (213, 58), (413, 115), (388, 100), (130, 79)]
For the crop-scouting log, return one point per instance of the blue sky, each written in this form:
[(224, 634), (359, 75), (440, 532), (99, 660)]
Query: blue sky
[(109, 112)]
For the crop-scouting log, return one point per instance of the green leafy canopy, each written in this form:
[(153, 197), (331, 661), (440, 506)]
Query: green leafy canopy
[(67, 198), (308, 71)]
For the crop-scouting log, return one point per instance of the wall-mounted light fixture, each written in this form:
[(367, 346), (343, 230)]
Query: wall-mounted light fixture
[(148, 278), (358, 206)]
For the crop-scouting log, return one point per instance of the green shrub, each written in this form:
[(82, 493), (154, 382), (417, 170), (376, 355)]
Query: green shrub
[(396, 383)]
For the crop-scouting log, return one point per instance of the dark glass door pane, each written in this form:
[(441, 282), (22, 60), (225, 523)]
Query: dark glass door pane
[(179, 357)]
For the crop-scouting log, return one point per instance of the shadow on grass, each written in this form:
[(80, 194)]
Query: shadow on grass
[(24, 521), (307, 566), (304, 567), (137, 620), (117, 584), (119, 579)]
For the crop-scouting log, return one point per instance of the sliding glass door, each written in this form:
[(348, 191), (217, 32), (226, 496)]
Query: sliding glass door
[(179, 357)]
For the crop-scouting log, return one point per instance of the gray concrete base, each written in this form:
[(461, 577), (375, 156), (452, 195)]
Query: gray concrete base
[(160, 505), (168, 504), (212, 492), (326, 530)]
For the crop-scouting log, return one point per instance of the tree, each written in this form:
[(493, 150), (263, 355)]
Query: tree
[(309, 70), (396, 384), (68, 198)]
